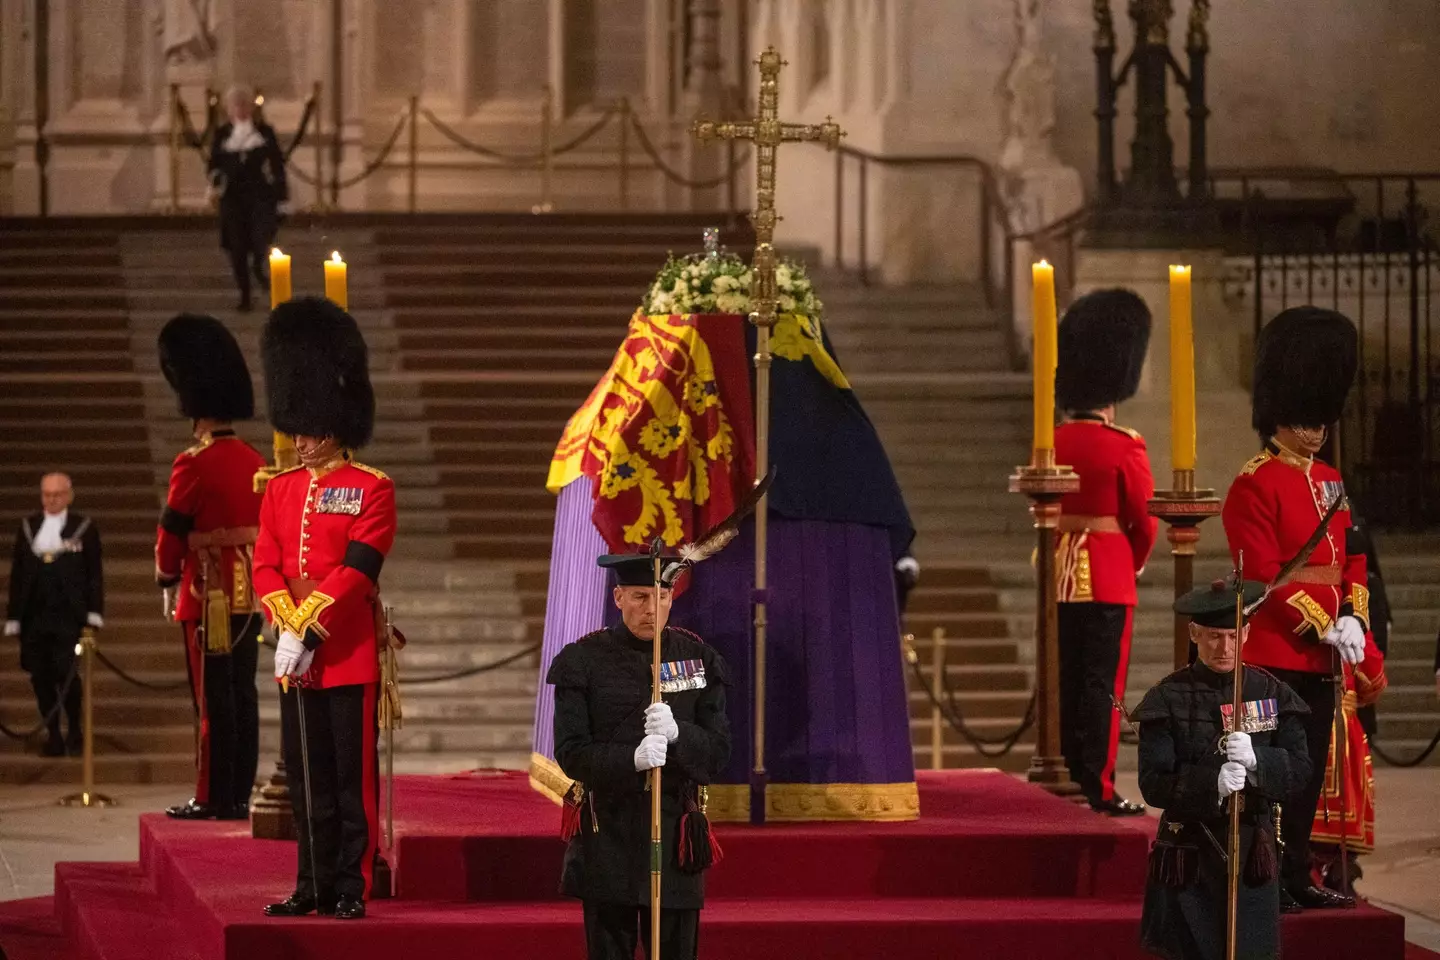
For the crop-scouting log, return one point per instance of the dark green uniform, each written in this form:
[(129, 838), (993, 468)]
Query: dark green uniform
[(1181, 728), (602, 687)]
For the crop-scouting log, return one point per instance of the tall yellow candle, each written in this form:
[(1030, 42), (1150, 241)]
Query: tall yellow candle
[(280, 289), (335, 285), (1182, 372), (1045, 353)]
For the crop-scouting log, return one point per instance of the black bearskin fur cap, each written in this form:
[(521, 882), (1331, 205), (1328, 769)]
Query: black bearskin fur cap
[(205, 367), (1102, 342), (316, 372), (1305, 362)]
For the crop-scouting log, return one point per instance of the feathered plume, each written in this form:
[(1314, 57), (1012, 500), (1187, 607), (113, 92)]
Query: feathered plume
[(715, 539), (1298, 561)]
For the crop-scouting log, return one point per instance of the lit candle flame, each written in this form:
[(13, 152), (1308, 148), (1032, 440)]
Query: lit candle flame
[(335, 256), (276, 252)]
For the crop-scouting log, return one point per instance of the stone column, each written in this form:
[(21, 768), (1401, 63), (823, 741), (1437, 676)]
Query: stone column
[(704, 97), (28, 103), (1038, 188)]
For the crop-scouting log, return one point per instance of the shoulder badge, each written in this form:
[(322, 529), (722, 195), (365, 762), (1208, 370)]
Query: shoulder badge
[(281, 473), (368, 469), (1132, 434), (1255, 463), (192, 450), (593, 634)]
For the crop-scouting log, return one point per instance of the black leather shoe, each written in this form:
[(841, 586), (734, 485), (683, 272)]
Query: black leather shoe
[(1312, 897), (54, 747), (192, 811), (1118, 807), (233, 813), (1287, 902), (297, 905), (348, 908)]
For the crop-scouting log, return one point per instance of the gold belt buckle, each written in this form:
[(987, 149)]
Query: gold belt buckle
[(47, 557)]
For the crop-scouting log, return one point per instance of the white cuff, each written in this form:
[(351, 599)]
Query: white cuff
[(95, 620), (12, 629)]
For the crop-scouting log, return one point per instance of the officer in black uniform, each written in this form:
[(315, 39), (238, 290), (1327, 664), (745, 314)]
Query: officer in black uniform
[(1189, 767), (608, 736)]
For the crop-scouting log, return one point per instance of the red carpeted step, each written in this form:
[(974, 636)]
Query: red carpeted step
[(107, 911), (30, 930)]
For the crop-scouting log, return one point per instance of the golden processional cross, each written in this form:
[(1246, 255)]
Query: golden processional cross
[(767, 132)]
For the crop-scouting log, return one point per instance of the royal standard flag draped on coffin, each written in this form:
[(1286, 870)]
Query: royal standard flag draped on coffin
[(665, 446)]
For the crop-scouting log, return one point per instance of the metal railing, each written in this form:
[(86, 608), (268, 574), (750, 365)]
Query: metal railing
[(1360, 244), (621, 114)]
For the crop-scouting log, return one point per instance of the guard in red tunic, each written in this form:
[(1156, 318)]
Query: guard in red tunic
[(203, 545), (325, 529), (1305, 361), (1106, 531)]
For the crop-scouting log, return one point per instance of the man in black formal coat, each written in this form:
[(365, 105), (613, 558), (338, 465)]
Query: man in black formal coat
[(56, 590), (1191, 763), (247, 174), (608, 736)]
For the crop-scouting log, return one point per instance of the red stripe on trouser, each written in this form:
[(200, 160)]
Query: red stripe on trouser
[(1122, 673), (370, 785), (195, 667)]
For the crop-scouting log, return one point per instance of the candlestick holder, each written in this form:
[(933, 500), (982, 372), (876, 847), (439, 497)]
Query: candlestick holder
[(1044, 483), (1183, 508)]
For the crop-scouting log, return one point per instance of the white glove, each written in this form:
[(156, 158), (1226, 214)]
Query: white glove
[(1239, 749), (659, 720), (1232, 778), (650, 753), (12, 628), (291, 657), (95, 620), (1347, 636)]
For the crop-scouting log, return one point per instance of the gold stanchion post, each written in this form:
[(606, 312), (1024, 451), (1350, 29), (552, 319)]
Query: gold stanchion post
[(624, 148), (175, 108), (937, 689), (319, 151), (414, 164), (547, 160), (87, 797), (767, 132)]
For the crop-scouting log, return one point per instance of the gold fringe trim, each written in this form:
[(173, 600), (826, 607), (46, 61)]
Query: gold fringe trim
[(784, 802), (548, 779)]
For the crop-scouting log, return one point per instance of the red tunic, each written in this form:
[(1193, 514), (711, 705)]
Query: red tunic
[(1107, 532), (1273, 507), (210, 519), (332, 528)]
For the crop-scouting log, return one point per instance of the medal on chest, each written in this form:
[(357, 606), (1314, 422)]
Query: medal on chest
[(344, 500), (1257, 715), (680, 675)]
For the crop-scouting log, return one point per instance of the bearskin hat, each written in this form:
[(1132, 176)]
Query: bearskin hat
[(316, 372), (1305, 362), (1102, 342), (206, 368)]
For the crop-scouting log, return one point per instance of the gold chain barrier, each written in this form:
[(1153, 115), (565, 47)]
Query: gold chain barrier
[(183, 134)]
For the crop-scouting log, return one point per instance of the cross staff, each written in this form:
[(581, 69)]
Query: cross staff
[(767, 132)]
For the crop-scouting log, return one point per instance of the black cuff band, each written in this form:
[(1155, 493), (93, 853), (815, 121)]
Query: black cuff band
[(312, 639), (365, 558), (165, 583), (173, 521)]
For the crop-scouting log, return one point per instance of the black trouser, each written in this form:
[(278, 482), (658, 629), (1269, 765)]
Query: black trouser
[(1094, 663), (230, 728), (343, 816), (1298, 816), (612, 930), (49, 657), (248, 227)]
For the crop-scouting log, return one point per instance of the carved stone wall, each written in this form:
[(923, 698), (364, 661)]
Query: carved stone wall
[(1293, 82)]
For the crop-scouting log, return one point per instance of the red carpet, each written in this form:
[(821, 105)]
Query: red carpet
[(993, 868)]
